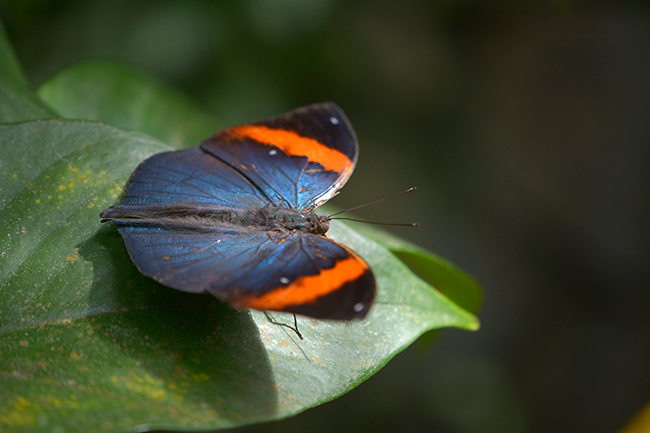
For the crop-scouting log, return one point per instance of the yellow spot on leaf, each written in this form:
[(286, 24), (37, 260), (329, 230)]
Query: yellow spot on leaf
[(200, 377), (24, 343), (62, 187), (18, 414), (147, 385), (72, 258), (177, 391), (22, 404), (74, 356)]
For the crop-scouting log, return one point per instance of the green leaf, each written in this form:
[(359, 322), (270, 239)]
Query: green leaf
[(459, 287), (17, 101), (116, 94), (89, 344)]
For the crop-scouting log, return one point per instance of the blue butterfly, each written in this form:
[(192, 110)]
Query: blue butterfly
[(233, 217)]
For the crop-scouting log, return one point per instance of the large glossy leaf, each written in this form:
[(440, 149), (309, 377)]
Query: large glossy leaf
[(116, 94), (17, 101), (88, 344), (440, 273)]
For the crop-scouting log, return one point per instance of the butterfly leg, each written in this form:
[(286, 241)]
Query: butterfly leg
[(275, 322), (295, 324)]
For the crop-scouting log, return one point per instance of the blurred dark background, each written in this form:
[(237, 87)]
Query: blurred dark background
[(526, 128)]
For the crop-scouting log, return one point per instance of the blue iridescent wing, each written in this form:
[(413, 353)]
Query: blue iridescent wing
[(299, 160), (188, 178), (292, 271)]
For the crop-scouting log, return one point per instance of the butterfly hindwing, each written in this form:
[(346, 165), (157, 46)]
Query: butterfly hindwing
[(292, 272), (300, 160), (317, 277)]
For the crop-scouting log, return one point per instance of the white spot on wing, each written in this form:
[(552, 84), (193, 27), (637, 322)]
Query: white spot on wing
[(284, 280), (273, 152), (358, 307), (334, 120)]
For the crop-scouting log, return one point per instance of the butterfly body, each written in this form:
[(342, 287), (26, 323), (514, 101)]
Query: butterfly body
[(233, 217), (206, 220)]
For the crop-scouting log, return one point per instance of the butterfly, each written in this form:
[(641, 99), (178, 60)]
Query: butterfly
[(233, 217)]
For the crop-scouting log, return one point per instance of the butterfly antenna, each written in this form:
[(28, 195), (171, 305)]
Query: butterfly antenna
[(378, 223), (374, 202), (370, 204)]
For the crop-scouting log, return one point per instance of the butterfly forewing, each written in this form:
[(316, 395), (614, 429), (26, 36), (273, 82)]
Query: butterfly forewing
[(300, 159), (187, 178)]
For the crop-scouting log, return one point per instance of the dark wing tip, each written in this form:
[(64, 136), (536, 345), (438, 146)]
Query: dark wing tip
[(349, 301)]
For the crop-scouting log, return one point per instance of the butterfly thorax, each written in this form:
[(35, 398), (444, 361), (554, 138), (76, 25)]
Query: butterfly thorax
[(279, 218)]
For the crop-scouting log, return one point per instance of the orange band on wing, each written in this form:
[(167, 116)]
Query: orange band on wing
[(309, 288), (295, 145)]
